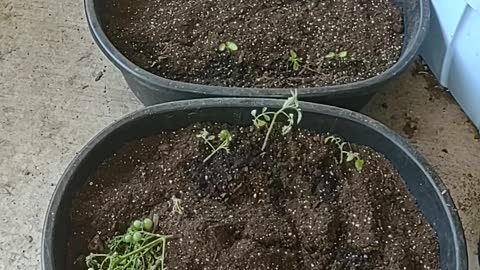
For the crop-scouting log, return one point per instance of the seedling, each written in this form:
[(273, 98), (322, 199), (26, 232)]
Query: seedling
[(350, 156), (138, 248), (228, 46), (224, 137), (337, 56), (268, 119), (177, 207), (294, 60)]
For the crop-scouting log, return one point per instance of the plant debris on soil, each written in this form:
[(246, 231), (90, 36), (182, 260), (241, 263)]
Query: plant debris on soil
[(290, 207), (336, 41)]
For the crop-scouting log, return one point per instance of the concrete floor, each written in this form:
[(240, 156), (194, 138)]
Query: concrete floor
[(51, 105)]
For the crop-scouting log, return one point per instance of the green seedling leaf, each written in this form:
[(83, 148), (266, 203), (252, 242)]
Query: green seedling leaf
[(148, 224), (254, 113), (222, 47), (293, 54), (264, 109), (137, 224), (224, 135), (330, 55), (231, 46), (296, 66), (211, 138), (350, 156), (267, 117), (342, 54), (261, 123), (137, 236), (359, 164)]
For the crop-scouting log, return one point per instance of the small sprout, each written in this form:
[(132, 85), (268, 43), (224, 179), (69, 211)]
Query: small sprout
[(359, 164), (229, 46), (350, 156), (224, 136), (337, 56), (177, 206), (147, 224), (232, 46), (342, 54), (294, 60), (128, 238), (268, 119)]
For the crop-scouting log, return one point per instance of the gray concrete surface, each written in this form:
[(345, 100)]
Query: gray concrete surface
[(435, 124), (51, 105)]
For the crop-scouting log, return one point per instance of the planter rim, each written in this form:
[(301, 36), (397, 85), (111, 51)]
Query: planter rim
[(437, 184), (349, 89)]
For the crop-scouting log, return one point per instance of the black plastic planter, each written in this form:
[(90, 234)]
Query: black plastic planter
[(427, 188), (151, 89)]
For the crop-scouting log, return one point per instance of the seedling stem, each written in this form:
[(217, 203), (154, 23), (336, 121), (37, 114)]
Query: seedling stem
[(224, 136), (350, 155), (269, 118)]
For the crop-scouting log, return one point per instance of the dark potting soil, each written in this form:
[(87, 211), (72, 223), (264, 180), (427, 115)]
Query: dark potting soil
[(292, 207), (179, 39)]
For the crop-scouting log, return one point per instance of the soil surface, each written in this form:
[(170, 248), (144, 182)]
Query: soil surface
[(179, 39), (292, 207)]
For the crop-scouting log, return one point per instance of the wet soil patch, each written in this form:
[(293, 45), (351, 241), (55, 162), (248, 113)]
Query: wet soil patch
[(179, 39), (291, 207), (435, 89), (411, 125)]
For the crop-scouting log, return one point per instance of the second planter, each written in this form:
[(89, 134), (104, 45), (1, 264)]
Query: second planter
[(421, 181)]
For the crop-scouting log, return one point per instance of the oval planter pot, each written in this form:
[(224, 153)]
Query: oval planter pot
[(151, 89), (420, 179)]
